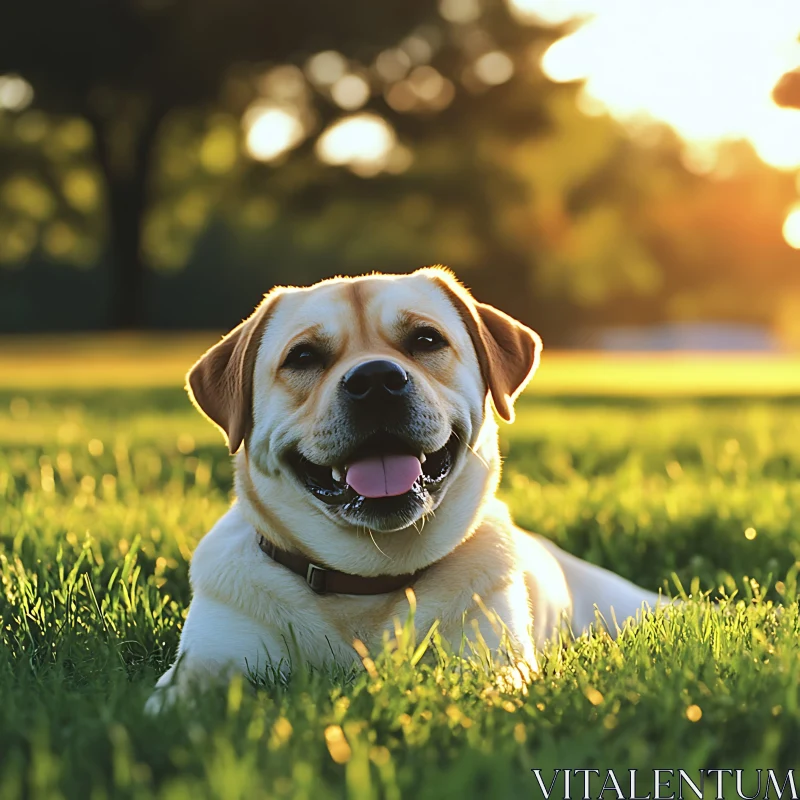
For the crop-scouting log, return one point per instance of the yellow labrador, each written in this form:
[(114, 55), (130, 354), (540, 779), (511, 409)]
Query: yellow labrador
[(360, 415)]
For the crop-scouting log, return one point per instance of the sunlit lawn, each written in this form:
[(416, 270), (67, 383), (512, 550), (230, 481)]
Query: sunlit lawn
[(161, 360), (108, 478)]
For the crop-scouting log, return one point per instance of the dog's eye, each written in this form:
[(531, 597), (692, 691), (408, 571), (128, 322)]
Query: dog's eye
[(426, 340), (303, 356)]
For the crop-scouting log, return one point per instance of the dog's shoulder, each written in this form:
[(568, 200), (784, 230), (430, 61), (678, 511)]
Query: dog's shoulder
[(229, 540)]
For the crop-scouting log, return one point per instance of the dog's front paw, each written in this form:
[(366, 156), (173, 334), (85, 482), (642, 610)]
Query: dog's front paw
[(185, 680), (161, 700), (169, 690), (516, 677)]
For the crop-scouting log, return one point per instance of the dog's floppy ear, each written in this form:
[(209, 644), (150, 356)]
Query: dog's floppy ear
[(508, 351), (221, 382)]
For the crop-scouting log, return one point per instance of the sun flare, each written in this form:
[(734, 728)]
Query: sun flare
[(791, 227), (707, 67)]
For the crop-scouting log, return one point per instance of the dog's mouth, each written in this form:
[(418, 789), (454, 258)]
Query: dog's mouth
[(385, 472)]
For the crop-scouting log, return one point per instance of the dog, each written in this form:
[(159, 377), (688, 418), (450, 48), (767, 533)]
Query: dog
[(360, 413)]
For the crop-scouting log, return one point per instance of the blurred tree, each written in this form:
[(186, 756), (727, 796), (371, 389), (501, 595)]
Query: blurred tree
[(124, 66), (505, 176)]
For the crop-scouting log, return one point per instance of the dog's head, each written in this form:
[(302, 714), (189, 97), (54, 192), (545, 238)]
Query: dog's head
[(365, 398)]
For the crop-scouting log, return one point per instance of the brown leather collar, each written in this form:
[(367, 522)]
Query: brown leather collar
[(330, 581)]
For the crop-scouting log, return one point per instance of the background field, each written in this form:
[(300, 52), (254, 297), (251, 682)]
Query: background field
[(106, 488)]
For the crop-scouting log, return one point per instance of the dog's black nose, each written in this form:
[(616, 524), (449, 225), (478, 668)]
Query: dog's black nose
[(374, 378)]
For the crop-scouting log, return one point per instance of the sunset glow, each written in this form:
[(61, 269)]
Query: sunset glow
[(706, 68)]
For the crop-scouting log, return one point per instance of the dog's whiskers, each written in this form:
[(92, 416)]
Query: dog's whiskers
[(427, 515), (377, 546), (474, 452)]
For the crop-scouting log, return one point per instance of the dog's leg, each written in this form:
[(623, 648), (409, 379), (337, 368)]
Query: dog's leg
[(217, 643), (501, 623)]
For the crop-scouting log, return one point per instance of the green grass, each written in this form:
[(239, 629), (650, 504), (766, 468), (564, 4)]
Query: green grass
[(104, 493)]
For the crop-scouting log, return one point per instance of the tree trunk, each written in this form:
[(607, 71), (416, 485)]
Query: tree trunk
[(126, 174)]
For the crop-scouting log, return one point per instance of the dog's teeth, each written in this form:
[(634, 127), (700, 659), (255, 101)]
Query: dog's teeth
[(336, 474), (422, 458)]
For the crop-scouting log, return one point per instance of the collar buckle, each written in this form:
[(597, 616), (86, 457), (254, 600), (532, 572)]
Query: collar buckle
[(316, 578)]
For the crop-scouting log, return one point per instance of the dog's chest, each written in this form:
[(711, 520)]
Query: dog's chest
[(341, 620)]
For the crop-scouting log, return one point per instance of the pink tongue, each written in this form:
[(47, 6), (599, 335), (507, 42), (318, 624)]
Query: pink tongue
[(385, 476)]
